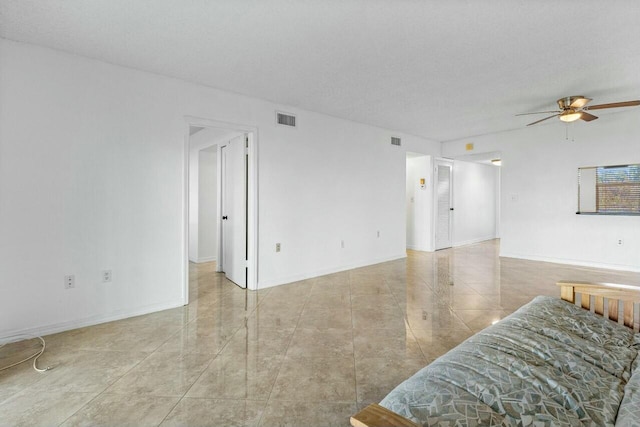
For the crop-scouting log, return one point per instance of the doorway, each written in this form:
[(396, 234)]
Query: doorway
[(443, 204), (236, 245)]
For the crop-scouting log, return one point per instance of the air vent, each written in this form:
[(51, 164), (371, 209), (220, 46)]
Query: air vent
[(286, 119), (395, 141)]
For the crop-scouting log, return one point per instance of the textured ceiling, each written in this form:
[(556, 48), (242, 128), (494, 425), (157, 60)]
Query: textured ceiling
[(439, 69)]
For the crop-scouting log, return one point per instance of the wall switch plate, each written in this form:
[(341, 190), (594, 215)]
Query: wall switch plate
[(277, 247), (69, 281), (106, 276), (342, 244), (378, 233)]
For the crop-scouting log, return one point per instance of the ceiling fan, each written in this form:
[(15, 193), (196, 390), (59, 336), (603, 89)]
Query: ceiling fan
[(575, 107)]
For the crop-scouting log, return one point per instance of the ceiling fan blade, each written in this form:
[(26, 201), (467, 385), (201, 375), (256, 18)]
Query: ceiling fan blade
[(542, 120), (580, 102), (614, 105), (587, 117), (537, 112)]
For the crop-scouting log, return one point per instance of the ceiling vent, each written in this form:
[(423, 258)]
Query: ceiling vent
[(396, 141), (285, 119)]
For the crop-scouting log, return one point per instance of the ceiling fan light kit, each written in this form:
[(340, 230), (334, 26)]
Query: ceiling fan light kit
[(575, 107), (570, 116)]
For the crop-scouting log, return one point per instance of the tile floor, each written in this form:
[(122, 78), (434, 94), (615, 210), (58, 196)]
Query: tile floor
[(307, 353)]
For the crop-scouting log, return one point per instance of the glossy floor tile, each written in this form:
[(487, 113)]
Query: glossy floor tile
[(115, 410), (306, 353), (212, 412)]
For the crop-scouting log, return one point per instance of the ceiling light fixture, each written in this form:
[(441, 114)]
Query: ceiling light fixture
[(497, 162), (570, 116)]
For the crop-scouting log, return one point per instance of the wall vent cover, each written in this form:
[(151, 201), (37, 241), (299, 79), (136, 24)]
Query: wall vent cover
[(395, 141), (285, 119)]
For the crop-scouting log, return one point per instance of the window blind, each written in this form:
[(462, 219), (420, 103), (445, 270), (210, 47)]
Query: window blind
[(618, 189)]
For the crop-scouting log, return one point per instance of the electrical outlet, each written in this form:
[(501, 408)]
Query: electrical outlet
[(620, 242), (277, 247), (69, 281), (106, 276), (378, 233)]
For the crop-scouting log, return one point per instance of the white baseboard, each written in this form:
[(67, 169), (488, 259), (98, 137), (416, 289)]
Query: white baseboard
[(419, 248), (89, 321), (206, 259), (263, 284), (473, 241), (618, 267)]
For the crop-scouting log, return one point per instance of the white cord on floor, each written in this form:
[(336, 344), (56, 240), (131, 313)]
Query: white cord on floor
[(35, 355)]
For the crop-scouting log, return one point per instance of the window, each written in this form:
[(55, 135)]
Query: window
[(609, 190)]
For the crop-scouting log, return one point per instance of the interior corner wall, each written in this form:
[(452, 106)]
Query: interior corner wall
[(474, 202), (92, 177), (539, 187), (419, 203), (207, 206)]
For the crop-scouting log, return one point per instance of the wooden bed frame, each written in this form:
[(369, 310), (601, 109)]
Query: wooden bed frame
[(620, 303)]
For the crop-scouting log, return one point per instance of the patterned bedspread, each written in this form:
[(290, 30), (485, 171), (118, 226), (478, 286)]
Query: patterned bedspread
[(548, 364)]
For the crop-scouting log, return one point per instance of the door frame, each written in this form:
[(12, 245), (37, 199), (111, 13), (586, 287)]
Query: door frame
[(437, 161), (252, 198)]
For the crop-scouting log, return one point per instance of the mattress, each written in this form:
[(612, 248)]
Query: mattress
[(549, 363)]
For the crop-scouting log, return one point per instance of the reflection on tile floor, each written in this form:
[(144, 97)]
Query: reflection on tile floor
[(307, 353)]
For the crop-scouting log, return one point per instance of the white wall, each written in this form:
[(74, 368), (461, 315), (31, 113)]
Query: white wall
[(475, 188), (207, 206), (92, 177), (539, 190), (419, 203), (340, 181)]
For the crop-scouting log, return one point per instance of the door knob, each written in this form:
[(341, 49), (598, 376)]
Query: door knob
[(224, 217), (450, 209)]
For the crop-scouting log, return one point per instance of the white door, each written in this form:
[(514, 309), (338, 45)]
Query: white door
[(444, 209), (234, 210)]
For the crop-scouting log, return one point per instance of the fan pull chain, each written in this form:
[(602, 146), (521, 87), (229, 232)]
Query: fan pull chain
[(566, 133)]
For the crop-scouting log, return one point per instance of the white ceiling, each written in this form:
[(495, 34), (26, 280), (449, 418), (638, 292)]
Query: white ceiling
[(439, 69)]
